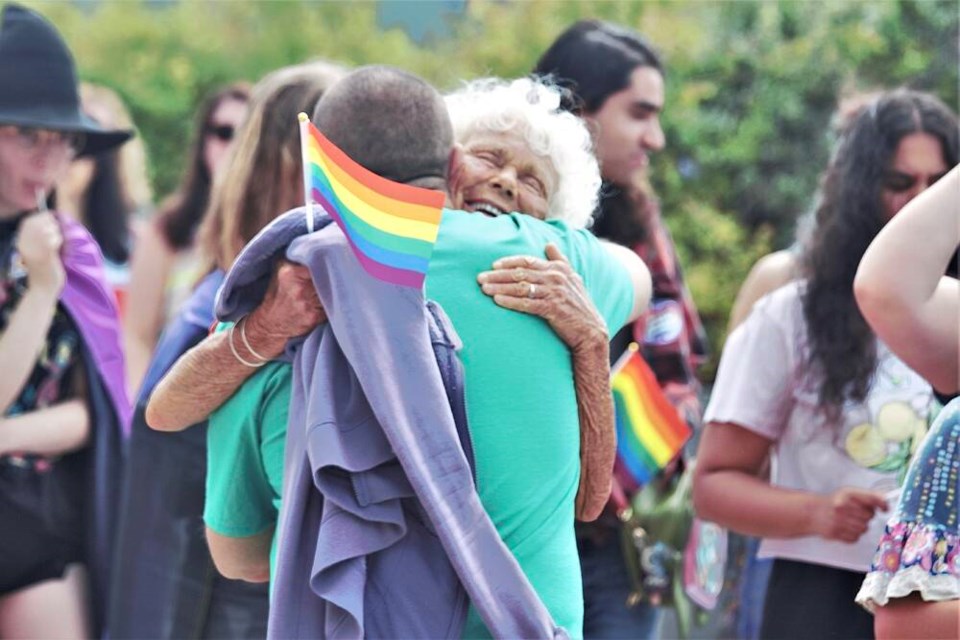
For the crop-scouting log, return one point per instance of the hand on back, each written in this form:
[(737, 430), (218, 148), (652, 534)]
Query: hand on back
[(550, 289), (290, 308)]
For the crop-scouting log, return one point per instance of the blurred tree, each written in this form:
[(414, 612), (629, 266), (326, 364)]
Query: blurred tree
[(751, 86)]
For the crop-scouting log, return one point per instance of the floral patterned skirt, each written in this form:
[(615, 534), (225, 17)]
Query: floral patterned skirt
[(920, 549)]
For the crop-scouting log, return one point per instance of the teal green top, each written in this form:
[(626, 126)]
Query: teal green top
[(245, 443), (527, 454)]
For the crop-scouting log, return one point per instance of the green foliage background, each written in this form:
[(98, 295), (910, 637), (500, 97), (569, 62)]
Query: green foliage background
[(751, 86)]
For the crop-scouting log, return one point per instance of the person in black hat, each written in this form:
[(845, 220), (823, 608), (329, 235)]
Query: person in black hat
[(63, 403)]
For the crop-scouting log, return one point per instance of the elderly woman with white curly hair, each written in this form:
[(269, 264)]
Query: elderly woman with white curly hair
[(520, 154)]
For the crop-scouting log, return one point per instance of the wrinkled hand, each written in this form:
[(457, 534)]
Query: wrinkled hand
[(290, 309), (550, 289), (38, 243), (845, 514)]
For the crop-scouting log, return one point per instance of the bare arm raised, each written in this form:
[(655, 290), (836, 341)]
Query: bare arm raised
[(901, 289), (38, 244)]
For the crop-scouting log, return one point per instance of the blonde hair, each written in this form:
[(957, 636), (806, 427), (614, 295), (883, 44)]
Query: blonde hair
[(263, 175), (531, 108)]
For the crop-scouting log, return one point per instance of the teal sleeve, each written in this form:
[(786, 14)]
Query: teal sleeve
[(245, 440), (606, 279)]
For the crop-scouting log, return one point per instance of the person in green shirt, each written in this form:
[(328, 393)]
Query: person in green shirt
[(524, 414)]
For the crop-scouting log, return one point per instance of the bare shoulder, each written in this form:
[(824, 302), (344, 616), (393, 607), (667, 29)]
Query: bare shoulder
[(768, 274), (771, 272)]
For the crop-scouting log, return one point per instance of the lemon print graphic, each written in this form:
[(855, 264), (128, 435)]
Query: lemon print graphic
[(865, 445), (887, 444), (897, 421)]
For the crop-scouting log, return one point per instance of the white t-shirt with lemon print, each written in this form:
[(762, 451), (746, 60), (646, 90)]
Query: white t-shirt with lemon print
[(764, 385)]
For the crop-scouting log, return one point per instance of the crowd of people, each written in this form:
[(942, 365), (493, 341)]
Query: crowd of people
[(215, 424)]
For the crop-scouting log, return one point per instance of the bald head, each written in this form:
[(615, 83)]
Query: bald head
[(390, 121)]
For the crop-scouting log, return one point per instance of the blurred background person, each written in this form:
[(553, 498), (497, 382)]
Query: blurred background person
[(166, 585), (776, 269), (110, 192), (913, 587), (768, 274), (616, 84), (63, 405), (804, 379), (166, 263)]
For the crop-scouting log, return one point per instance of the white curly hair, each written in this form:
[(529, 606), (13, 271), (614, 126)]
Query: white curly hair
[(531, 108)]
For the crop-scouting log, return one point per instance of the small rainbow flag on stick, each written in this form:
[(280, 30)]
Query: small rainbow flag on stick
[(391, 227), (650, 432)]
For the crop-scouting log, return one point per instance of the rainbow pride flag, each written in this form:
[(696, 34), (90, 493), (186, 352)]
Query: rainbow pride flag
[(650, 432), (391, 227)]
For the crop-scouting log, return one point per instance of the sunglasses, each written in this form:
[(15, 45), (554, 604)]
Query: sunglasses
[(222, 132), (898, 182)]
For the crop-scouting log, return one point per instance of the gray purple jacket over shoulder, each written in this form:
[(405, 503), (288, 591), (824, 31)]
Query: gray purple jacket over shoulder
[(382, 533)]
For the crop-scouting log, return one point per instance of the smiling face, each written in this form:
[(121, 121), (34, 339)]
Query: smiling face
[(31, 162), (627, 126), (498, 173), (916, 165)]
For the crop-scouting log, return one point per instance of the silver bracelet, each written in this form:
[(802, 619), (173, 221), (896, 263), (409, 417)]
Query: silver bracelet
[(243, 336), (236, 354)]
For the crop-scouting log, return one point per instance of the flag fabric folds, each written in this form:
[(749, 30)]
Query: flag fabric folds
[(650, 432), (391, 227)]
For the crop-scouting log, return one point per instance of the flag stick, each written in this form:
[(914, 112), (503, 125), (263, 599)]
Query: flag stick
[(305, 161), (622, 360)]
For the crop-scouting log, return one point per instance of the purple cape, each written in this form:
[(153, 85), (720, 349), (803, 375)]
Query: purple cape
[(90, 303)]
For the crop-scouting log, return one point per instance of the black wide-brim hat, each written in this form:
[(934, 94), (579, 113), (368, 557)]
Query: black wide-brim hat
[(38, 82)]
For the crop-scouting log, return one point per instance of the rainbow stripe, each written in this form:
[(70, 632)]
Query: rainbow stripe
[(650, 432), (391, 227)]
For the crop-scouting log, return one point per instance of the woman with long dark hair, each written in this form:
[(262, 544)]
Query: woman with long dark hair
[(107, 193), (804, 377), (165, 262), (615, 81)]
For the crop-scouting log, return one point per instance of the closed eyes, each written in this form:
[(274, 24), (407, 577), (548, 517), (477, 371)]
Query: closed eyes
[(898, 182)]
